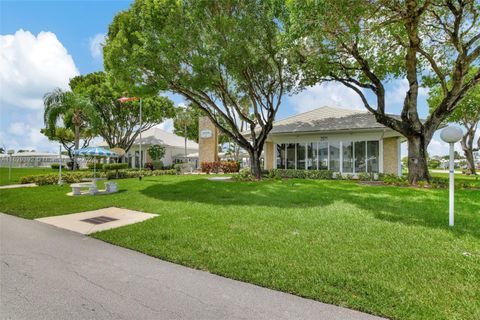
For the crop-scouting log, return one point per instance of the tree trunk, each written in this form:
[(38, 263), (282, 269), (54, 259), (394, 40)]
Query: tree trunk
[(77, 145), (470, 161), (417, 159), (255, 166)]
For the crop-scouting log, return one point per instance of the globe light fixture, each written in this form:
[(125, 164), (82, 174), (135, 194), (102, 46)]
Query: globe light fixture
[(451, 135)]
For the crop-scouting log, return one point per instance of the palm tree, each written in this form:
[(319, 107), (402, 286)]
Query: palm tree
[(72, 108)]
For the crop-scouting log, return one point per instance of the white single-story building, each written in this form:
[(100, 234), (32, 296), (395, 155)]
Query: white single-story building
[(31, 159), (174, 148), (328, 138), (337, 139)]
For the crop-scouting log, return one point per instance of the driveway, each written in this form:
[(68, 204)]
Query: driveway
[(50, 273)]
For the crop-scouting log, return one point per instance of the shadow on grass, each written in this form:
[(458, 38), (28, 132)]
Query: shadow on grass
[(423, 207)]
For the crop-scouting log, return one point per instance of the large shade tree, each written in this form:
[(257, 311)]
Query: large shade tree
[(216, 54), (119, 123), (366, 44), (468, 115)]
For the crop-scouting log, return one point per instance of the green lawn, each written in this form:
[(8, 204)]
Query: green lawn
[(382, 250), (17, 173), (460, 177)]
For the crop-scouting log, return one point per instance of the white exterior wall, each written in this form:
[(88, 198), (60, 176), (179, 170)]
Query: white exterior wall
[(170, 154)]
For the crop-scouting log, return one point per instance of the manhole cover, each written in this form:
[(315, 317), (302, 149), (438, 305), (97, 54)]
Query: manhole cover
[(99, 220)]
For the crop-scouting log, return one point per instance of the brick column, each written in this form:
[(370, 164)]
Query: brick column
[(269, 152), (207, 140), (391, 156)]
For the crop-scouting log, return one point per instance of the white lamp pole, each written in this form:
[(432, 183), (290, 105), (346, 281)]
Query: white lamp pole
[(451, 135), (10, 153), (60, 182), (140, 136)]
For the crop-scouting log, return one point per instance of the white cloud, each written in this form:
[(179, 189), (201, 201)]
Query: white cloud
[(96, 46), (327, 94), (167, 125), (17, 128), (32, 65), (398, 90)]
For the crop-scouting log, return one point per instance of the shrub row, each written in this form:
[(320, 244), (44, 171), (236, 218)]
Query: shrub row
[(115, 166), (124, 174), (73, 177), (52, 178), (435, 182), (56, 166), (301, 174), (217, 166)]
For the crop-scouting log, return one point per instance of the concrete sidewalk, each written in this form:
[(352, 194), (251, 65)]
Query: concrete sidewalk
[(50, 273)]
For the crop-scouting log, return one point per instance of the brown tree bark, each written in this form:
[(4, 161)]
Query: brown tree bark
[(468, 149)]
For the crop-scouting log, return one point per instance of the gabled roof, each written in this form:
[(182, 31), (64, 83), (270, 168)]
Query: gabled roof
[(327, 119), (158, 136)]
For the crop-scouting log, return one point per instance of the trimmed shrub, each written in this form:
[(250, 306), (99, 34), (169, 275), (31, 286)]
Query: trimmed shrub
[(301, 174), (244, 174), (157, 164), (217, 166), (73, 177), (56, 166), (230, 166), (52, 178), (92, 165), (115, 166)]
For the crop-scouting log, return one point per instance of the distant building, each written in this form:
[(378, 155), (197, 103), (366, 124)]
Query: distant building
[(174, 148), (31, 159)]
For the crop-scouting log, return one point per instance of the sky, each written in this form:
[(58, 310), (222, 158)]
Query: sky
[(45, 43)]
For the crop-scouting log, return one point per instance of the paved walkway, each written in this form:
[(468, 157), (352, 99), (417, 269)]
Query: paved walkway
[(50, 273), (88, 221), (12, 186)]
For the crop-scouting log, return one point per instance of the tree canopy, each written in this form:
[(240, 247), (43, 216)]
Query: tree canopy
[(118, 123), (220, 55), (467, 114), (366, 44)]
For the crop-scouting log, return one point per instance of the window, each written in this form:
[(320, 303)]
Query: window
[(334, 150), (291, 161), (372, 156), (312, 156), (360, 156), (281, 156), (301, 156), (323, 155), (347, 156)]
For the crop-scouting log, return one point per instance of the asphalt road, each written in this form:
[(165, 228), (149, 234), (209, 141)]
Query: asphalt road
[(49, 273)]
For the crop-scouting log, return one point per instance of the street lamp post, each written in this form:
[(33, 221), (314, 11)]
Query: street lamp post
[(60, 182), (451, 135), (127, 99), (10, 153)]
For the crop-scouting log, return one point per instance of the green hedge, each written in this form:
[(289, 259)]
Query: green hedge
[(92, 165), (73, 177), (52, 178), (56, 166), (115, 166), (123, 174), (301, 174)]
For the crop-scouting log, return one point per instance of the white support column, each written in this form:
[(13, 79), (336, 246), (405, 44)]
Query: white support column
[(380, 156), (341, 157), (399, 152)]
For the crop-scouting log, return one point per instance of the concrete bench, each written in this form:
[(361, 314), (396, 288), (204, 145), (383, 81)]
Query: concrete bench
[(77, 188), (111, 187)]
